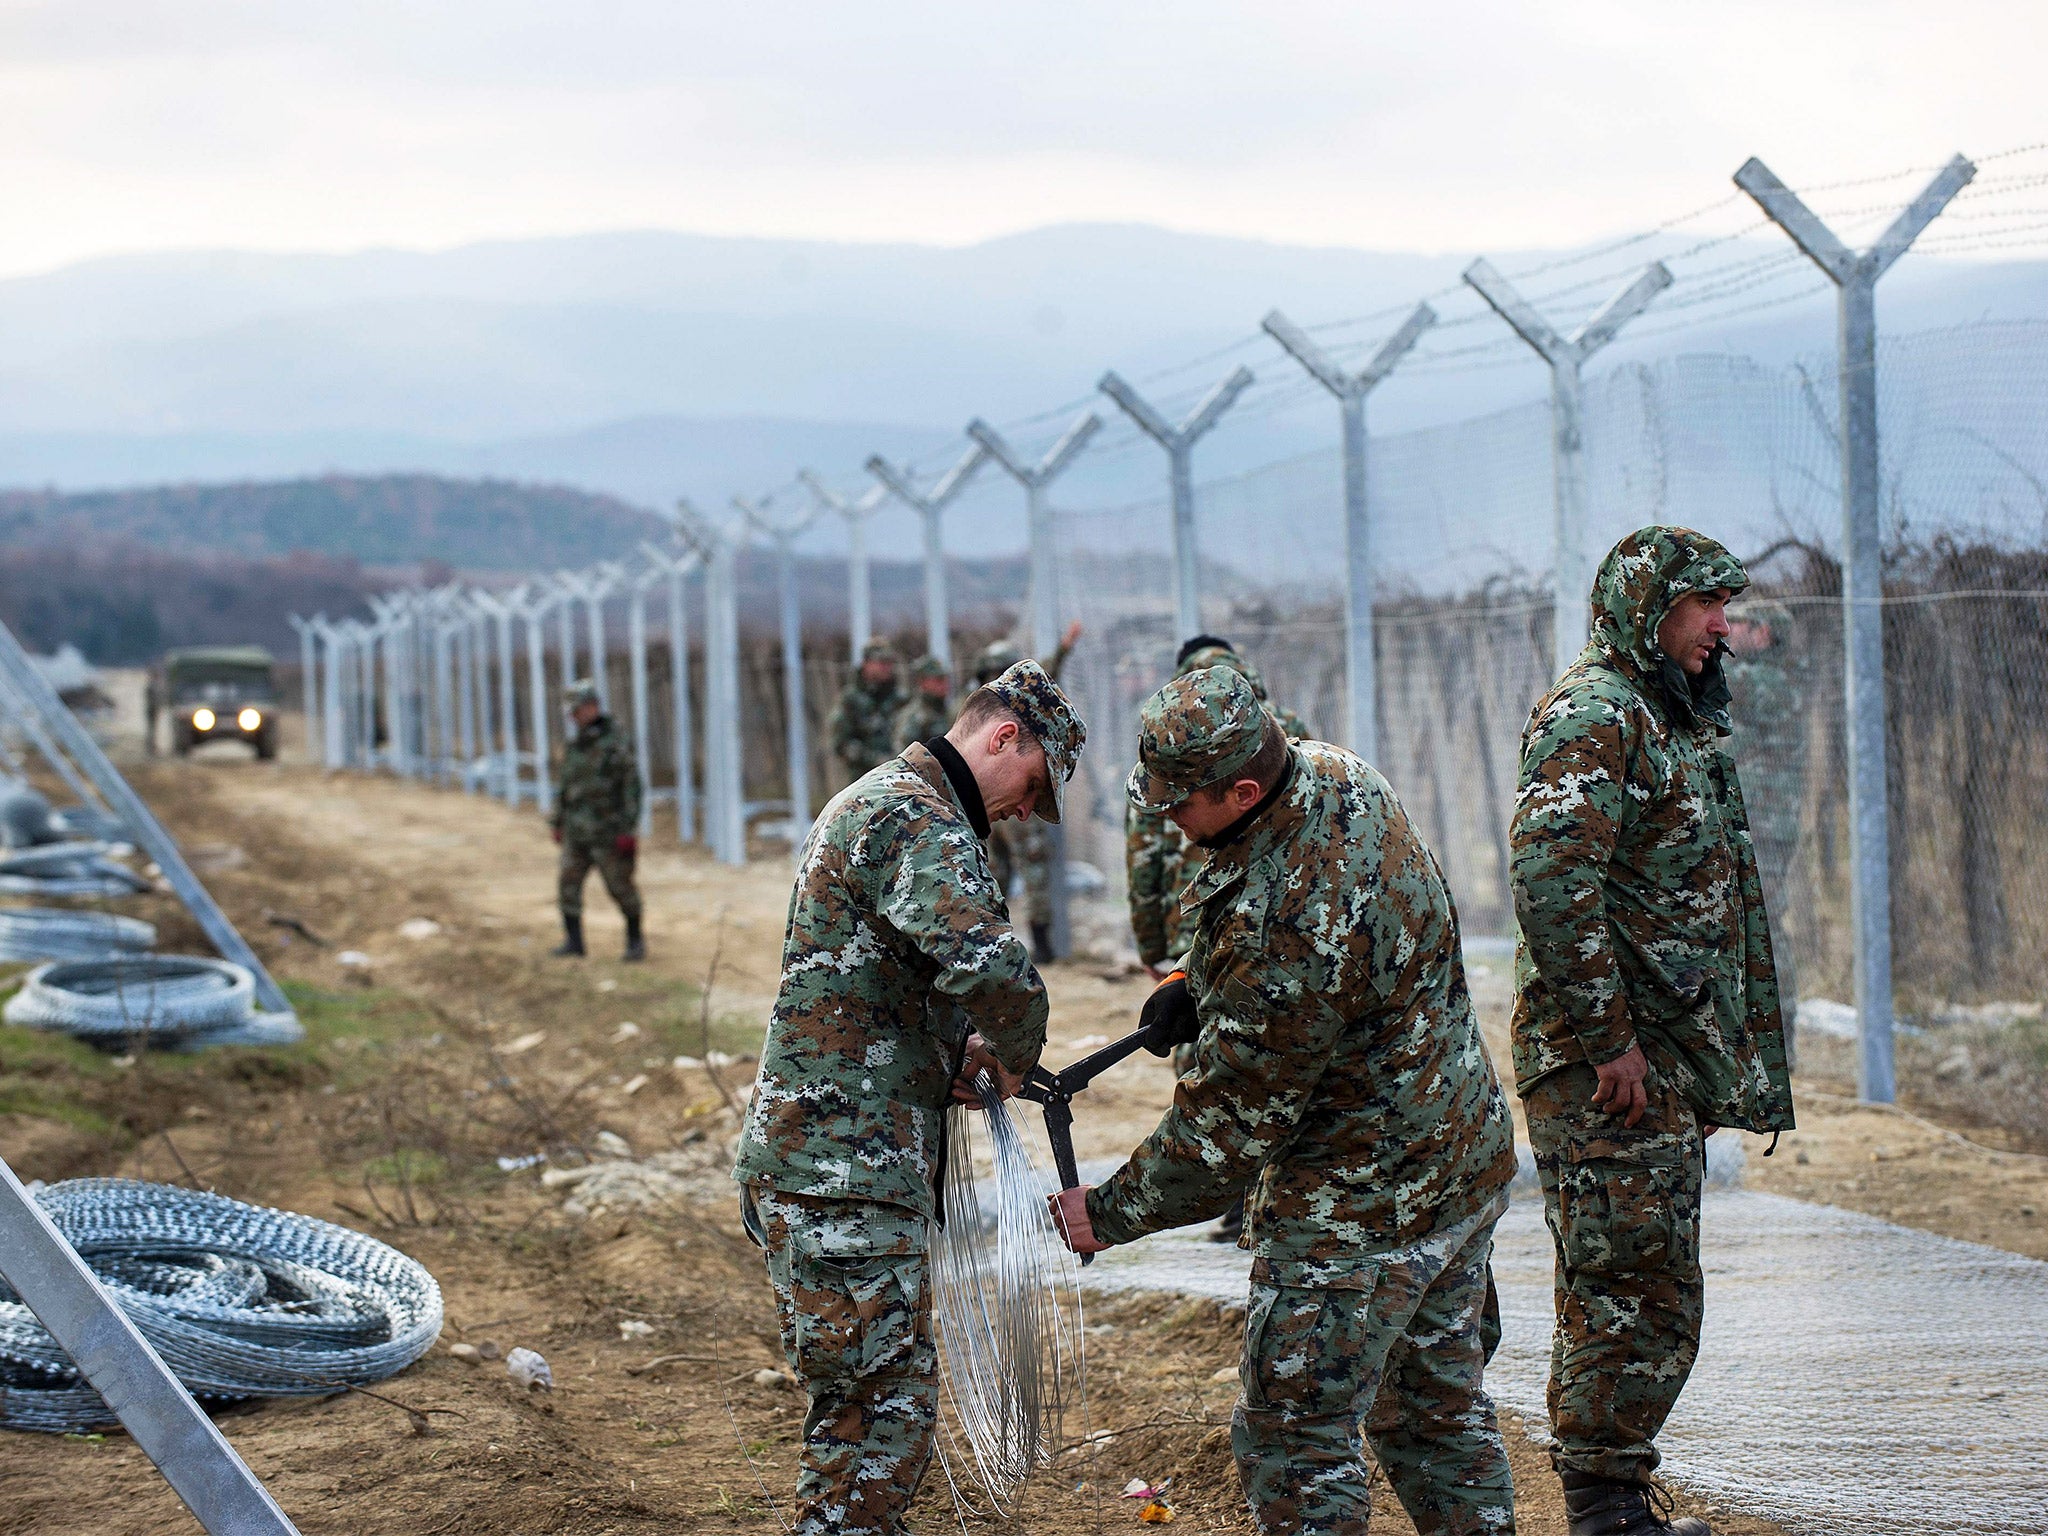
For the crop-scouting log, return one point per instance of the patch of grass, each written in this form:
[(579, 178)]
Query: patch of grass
[(407, 1165), (675, 1026), (54, 1077)]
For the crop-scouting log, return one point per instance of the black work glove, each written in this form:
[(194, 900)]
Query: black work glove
[(1168, 1017)]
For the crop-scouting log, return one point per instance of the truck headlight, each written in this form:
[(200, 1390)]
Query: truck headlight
[(203, 719), (249, 719)]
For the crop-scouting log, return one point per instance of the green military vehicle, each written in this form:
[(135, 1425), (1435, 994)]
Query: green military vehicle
[(217, 693)]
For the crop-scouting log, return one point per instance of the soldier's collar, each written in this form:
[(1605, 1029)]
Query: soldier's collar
[(1242, 825), (961, 777)]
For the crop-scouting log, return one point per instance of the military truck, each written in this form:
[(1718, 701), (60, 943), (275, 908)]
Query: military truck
[(216, 693)]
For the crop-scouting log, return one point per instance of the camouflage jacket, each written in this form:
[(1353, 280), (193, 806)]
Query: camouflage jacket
[(898, 945), (1635, 884), (863, 726), (597, 797), (1340, 1070), (920, 719)]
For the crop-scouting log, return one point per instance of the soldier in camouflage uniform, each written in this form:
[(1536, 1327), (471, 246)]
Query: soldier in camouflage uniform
[(1766, 672), (864, 721), (1646, 1009), (1025, 850), (1340, 1071), (901, 981), (596, 820), (929, 709)]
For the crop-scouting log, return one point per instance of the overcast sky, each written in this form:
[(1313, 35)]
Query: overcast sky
[(140, 124)]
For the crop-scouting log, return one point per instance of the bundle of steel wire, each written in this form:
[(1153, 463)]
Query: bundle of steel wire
[(1006, 1300), (241, 1301), (67, 869), (180, 1001), (59, 933)]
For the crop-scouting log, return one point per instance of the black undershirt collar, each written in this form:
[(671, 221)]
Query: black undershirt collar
[(961, 777), (1239, 827)]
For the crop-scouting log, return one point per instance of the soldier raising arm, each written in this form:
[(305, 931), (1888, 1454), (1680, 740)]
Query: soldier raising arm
[(901, 980)]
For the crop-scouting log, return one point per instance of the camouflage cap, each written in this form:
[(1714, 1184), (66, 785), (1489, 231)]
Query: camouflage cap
[(1200, 728), (582, 691), (1037, 701), (878, 650), (928, 667)]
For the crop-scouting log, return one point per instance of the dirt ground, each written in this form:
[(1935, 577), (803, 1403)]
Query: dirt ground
[(436, 1055)]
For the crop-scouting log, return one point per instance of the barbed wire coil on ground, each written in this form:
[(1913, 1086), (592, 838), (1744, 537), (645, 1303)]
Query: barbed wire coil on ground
[(67, 869), (60, 933), (240, 1300), (182, 1001)]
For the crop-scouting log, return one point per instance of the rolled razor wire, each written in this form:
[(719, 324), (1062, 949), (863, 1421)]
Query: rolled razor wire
[(179, 1001), (67, 869), (1006, 1302), (58, 933), (240, 1300)]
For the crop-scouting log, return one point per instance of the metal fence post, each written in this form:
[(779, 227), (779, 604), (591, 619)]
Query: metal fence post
[(570, 587), (1045, 611), (725, 816), (931, 505), (331, 739), (1179, 443), (1361, 713), (860, 610), (1855, 277), (1567, 356), (534, 609), (308, 678), (783, 533), (677, 568), (636, 670), (599, 585)]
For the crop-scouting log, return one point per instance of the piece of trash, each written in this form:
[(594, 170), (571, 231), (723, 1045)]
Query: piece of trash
[(626, 1031), (687, 1063), (530, 1371), (767, 1378), (721, 1059), (468, 1354), (514, 1164), (633, 1328), (1228, 1373), (612, 1144), (417, 928), (129, 1061), (487, 1350), (607, 985), (352, 957), (1158, 1512), (523, 1043), (1136, 1488), (634, 1084)]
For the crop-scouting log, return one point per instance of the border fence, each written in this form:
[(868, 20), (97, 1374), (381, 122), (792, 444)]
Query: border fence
[(1400, 591)]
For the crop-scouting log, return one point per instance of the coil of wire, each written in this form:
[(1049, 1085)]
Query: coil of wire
[(183, 1002), (67, 869), (58, 933), (240, 1300)]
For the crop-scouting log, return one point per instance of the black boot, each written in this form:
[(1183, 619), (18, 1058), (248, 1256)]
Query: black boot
[(572, 938), (1230, 1225), (636, 949), (1594, 1506), (1041, 943)]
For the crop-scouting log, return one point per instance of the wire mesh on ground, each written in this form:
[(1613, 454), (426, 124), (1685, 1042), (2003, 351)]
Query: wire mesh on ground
[(180, 1001), (239, 1300), (56, 933)]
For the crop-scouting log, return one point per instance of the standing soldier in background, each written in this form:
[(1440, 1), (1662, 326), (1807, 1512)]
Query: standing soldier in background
[(864, 722), (596, 814), (930, 707), (1765, 671), (1026, 850), (901, 982), (1646, 1007), (1341, 1073)]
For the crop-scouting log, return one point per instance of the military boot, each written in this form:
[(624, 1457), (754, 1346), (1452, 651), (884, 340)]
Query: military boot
[(636, 948), (1041, 944), (1594, 1506), (572, 938)]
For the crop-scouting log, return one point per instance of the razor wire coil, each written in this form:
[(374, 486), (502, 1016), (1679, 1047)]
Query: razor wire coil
[(107, 1000), (67, 869), (58, 933), (240, 1300)]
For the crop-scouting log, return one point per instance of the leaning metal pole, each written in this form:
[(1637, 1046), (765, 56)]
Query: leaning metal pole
[(1855, 278), (1361, 716), (1179, 443), (1045, 609), (931, 506), (1571, 606)]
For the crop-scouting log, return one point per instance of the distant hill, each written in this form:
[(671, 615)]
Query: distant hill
[(382, 520)]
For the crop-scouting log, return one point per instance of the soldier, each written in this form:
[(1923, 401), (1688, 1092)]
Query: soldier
[(1026, 851), (1646, 1008), (1340, 1071), (1765, 672), (597, 809), (929, 709), (863, 724), (901, 981)]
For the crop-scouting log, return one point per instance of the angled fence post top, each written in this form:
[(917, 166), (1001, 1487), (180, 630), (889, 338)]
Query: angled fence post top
[(761, 515), (852, 508), (1328, 372), (904, 484), (1198, 421), (1058, 457), (1827, 251), (1561, 350)]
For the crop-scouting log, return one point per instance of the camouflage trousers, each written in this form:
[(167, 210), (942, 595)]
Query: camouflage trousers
[(1395, 1363), (852, 1283), (1624, 1212), (1024, 850), (613, 867)]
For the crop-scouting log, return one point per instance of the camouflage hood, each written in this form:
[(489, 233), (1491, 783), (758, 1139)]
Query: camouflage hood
[(1639, 580)]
